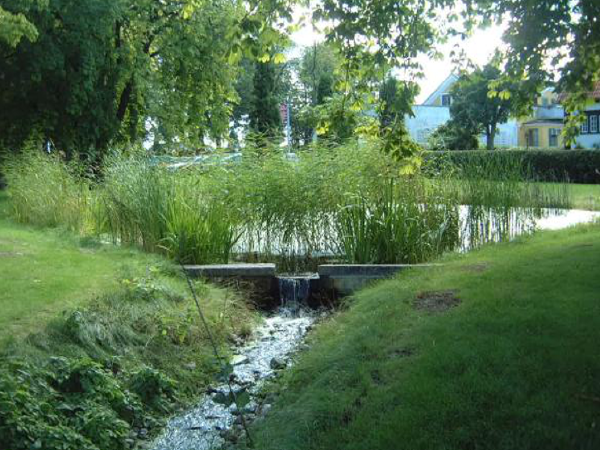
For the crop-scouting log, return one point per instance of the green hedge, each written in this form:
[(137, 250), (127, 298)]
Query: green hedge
[(576, 166)]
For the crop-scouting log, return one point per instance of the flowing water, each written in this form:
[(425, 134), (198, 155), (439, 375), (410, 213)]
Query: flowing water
[(216, 419)]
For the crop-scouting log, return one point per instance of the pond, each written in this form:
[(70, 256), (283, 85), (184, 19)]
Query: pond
[(319, 239)]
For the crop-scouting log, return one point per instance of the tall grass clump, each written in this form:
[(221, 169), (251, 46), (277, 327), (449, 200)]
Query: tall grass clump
[(47, 191), (398, 226), (164, 211)]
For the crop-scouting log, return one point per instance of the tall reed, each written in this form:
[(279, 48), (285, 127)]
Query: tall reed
[(46, 191), (397, 226)]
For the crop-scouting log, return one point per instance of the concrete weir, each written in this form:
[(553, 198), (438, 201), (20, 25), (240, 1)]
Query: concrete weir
[(344, 279), (331, 280)]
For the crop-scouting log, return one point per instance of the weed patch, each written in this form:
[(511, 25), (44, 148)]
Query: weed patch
[(436, 301)]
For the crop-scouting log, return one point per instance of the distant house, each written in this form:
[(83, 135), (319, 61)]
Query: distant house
[(435, 111), (589, 136), (544, 127), (432, 113)]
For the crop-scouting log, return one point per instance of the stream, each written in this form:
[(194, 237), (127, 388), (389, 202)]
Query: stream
[(215, 420)]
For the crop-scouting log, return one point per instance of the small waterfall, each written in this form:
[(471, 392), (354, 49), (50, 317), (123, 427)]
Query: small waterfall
[(294, 291)]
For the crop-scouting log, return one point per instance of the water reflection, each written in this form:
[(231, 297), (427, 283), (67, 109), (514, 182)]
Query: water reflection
[(316, 239)]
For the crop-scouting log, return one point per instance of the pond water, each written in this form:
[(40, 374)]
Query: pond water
[(319, 239)]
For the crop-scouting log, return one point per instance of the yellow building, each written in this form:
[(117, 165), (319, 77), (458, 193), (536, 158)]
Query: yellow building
[(543, 129)]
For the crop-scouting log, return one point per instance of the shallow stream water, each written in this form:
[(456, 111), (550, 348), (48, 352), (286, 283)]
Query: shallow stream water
[(215, 420)]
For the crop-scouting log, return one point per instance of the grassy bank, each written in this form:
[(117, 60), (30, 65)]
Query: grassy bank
[(98, 344), (497, 349)]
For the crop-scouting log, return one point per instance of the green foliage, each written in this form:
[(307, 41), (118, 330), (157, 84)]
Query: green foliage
[(452, 136), (317, 75), (395, 101), (153, 388), (15, 27), (117, 365), (575, 166), (265, 119), (100, 72)]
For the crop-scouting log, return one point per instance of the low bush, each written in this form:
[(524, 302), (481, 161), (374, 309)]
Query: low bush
[(575, 166)]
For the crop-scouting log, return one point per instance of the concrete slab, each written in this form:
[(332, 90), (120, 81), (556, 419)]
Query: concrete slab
[(345, 279), (366, 270), (232, 270)]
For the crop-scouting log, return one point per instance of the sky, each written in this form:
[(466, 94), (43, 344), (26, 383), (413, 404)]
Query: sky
[(479, 48)]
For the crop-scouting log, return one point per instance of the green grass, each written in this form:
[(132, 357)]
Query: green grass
[(515, 365), (46, 271)]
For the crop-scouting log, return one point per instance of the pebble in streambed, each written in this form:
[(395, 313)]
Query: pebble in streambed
[(210, 424)]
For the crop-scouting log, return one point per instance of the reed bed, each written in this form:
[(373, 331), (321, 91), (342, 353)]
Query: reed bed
[(346, 203)]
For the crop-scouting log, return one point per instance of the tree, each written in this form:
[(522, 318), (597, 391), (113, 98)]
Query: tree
[(265, 118), (548, 39), (395, 101), (476, 108), (111, 71)]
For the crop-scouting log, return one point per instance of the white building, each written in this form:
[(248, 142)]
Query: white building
[(435, 111)]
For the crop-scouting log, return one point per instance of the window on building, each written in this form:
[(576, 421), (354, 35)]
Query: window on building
[(553, 137), (594, 124), (533, 137), (446, 99), (584, 125)]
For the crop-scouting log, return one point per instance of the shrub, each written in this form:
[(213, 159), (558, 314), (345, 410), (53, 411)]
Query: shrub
[(575, 166), (450, 136)]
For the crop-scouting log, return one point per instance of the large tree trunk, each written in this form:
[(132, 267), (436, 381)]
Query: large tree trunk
[(490, 136)]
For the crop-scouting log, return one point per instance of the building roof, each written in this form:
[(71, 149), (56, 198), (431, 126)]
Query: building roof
[(443, 88), (594, 93)]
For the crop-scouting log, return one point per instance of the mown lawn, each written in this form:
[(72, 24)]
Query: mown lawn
[(46, 271), (514, 365)]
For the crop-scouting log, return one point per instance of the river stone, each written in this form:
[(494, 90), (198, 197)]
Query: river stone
[(277, 363), (237, 360)]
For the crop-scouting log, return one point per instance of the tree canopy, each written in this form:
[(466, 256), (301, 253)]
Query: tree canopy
[(83, 76)]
